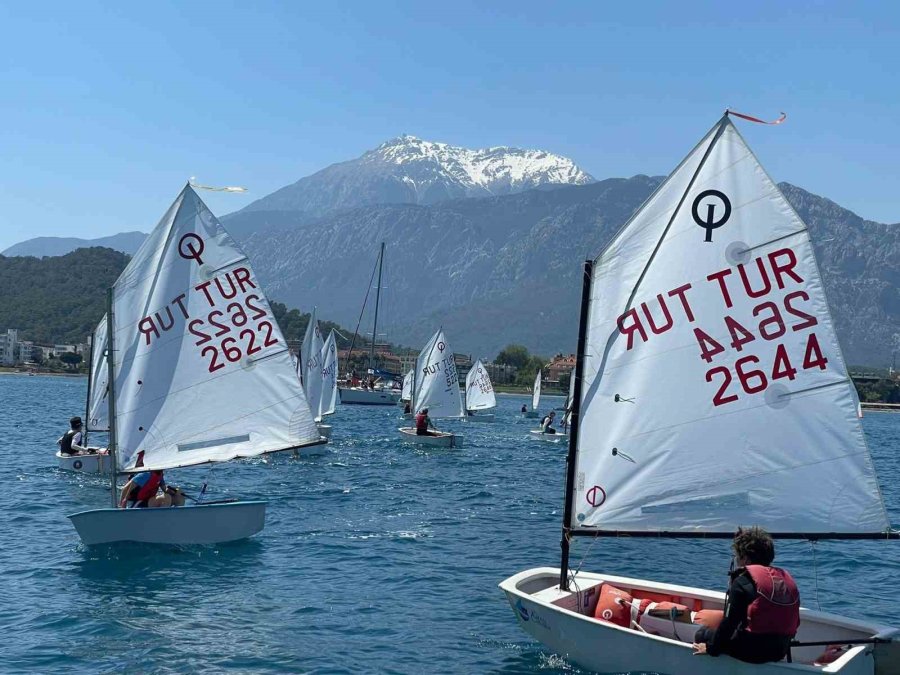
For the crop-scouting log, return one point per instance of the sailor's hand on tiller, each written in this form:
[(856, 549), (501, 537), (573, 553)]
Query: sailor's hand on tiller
[(699, 648)]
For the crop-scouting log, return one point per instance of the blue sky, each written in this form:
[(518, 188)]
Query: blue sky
[(107, 110)]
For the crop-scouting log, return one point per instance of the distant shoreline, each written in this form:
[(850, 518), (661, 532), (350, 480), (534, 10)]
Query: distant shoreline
[(4, 371)]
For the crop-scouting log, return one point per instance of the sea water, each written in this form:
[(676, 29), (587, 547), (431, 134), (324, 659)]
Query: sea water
[(378, 557)]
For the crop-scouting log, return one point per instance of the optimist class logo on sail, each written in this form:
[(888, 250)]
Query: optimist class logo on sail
[(227, 319), (753, 324)]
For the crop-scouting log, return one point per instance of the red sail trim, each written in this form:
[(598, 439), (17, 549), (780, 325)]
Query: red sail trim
[(756, 119)]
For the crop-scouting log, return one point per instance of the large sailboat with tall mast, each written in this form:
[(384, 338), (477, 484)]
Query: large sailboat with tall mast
[(376, 389), (710, 394), (198, 372)]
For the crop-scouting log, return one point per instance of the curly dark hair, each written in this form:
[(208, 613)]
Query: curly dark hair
[(754, 546)]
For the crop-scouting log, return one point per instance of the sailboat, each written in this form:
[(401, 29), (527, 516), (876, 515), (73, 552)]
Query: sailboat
[(562, 431), (198, 372), (311, 369), (710, 393), (95, 418), (382, 393), (406, 389), (479, 394), (327, 399), (436, 387), (535, 397)]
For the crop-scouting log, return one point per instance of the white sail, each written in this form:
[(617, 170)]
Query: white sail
[(406, 391), (479, 390), (437, 382), (715, 393), (570, 398), (98, 403), (536, 391), (328, 399), (202, 371), (311, 353)]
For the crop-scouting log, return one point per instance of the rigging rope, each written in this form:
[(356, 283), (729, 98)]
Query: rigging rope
[(749, 118)]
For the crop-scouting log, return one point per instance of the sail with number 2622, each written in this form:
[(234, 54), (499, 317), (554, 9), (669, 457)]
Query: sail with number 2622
[(199, 372), (710, 394)]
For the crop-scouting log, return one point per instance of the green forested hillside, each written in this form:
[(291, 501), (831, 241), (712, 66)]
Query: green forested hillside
[(60, 299)]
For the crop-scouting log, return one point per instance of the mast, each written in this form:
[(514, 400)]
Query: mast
[(87, 400), (576, 410), (110, 366), (377, 299)]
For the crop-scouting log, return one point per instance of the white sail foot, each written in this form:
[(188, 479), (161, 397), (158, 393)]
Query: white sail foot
[(539, 435), (200, 524), (564, 621)]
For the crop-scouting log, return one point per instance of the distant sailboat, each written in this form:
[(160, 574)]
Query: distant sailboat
[(479, 394), (535, 397), (710, 393), (95, 418), (198, 372), (311, 351), (329, 388), (436, 387), (379, 394)]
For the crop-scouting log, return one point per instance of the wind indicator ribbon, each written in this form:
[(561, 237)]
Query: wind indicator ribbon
[(755, 119), (212, 188)]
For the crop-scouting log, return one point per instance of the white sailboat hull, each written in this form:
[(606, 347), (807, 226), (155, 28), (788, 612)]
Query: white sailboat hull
[(358, 396), (563, 621), (324, 430), (539, 435), (199, 524), (443, 439), (99, 464), (490, 417)]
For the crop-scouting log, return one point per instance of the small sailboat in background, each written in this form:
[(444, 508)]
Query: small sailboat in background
[(479, 394), (198, 372), (561, 433), (329, 389), (383, 392), (535, 397), (311, 352), (436, 388), (710, 393), (95, 417)]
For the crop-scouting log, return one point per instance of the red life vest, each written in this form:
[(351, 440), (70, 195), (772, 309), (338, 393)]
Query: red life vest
[(150, 487), (421, 422), (776, 609)]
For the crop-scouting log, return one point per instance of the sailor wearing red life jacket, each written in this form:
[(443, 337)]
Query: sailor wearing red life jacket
[(423, 422), (762, 609)]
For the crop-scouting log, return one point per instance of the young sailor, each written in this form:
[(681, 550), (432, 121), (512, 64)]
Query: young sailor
[(424, 423), (70, 443), (762, 609), (547, 423)]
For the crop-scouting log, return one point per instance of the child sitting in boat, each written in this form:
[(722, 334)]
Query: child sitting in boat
[(547, 423), (70, 442), (762, 610), (424, 425)]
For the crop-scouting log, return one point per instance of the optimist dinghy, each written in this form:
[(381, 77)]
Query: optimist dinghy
[(319, 380), (479, 394), (95, 417), (436, 387), (535, 397), (198, 372), (706, 341)]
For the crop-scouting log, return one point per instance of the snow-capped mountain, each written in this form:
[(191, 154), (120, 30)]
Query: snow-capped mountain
[(409, 170)]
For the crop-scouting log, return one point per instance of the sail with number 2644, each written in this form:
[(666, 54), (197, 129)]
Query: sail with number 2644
[(710, 394)]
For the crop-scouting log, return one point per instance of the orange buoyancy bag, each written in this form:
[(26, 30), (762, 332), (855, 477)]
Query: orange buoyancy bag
[(614, 606), (711, 618)]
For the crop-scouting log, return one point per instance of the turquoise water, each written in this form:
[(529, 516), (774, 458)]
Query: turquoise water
[(375, 558)]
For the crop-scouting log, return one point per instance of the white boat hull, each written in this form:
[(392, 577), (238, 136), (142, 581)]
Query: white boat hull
[(199, 524), (489, 417), (443, 439), (563, 621), (357, 396), (539, 435), (324, 430), (94, 463)]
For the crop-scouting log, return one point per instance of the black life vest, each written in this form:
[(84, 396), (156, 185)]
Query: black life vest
[(65, 443)]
